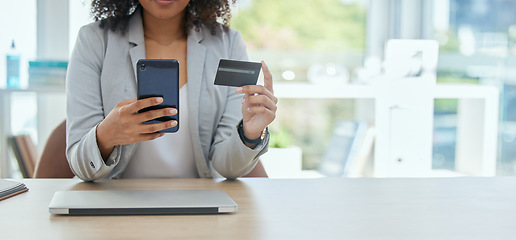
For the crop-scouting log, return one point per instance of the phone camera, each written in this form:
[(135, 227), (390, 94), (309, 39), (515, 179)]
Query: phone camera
[(142, 67)]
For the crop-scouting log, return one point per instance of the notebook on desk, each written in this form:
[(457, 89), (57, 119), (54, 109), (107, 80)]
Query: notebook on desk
[(141, 202), (10, 188)]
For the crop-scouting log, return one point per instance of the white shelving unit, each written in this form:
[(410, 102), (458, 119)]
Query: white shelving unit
[(477, 119), (57, 25), (51, 111)]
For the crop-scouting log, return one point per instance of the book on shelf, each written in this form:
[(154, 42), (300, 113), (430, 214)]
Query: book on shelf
[(347, 146), (359, 162), (25, 153), (31, 152), (17, 154), (11, 188), (44, 72)]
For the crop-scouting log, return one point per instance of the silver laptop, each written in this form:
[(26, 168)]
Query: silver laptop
[(141, 202)]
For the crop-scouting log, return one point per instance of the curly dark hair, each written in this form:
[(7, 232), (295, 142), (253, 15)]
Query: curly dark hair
[(115, 14)]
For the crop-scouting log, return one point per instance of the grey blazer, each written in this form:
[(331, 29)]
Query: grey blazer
[(102, 72)]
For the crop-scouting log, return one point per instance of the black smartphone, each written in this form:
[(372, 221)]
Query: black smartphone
[(159, 78)]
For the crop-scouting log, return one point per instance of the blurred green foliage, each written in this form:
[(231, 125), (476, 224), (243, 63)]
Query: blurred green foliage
[(280, 138), (450, 105), (324, 25), (448, 41)]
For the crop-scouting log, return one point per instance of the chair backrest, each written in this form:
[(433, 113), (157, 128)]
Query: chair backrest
[(258, 171), (52, 162)]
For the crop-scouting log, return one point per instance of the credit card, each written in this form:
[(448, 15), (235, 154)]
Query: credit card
[(237, 73)]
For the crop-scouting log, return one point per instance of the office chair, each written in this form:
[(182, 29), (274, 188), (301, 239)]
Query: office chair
[(258, 171), (53, 164)]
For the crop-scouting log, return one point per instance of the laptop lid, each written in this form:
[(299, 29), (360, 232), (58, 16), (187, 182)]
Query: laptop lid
[(141, 202)]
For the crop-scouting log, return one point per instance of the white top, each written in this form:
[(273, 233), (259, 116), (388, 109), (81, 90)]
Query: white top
[(170, 156)]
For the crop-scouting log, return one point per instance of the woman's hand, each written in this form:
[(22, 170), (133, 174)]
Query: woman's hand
[(124, 125), (258, 105)]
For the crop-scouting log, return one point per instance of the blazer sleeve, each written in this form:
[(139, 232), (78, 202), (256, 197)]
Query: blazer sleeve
[(230, 156), (84, 107)]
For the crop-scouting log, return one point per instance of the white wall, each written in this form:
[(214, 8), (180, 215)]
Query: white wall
[(59, 22), (18, 22), (42, 29)]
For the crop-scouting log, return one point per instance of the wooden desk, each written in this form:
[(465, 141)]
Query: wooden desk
[(328, 208)]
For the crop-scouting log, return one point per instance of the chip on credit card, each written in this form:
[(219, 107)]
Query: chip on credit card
[(237, 73)]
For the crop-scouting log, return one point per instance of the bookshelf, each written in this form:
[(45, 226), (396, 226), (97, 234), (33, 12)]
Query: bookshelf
[(476, 148), (51, 111)]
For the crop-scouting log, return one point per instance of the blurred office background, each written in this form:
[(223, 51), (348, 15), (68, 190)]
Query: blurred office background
[(336, 42)]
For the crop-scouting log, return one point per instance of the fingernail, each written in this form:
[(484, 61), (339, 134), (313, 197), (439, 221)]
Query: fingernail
[(239, 89), (159, 100), (173, 123), (243, 100), (248, 109), (173, 111)]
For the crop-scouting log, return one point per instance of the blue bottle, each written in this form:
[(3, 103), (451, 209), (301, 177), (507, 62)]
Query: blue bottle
[(13, 67)]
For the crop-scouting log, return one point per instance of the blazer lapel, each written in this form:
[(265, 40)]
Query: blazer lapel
[(196, 53), (136, 40), (195, 69)]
